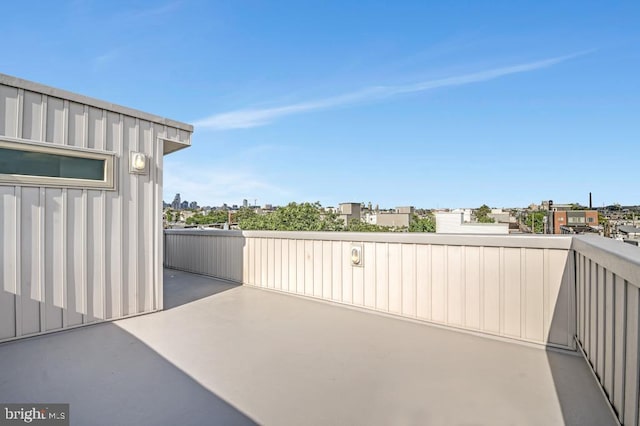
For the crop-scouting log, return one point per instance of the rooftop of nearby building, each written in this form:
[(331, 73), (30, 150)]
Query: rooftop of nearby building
[(227, 354), (627, 229)]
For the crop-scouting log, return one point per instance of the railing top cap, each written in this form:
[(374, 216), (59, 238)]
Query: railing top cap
[(477, 240), (620, 258)]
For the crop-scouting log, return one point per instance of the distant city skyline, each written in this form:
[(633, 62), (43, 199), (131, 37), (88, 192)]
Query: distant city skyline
[(437, 104), (374, 205)]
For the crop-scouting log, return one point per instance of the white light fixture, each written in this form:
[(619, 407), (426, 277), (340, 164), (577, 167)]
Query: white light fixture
[(137, 163), (356, 255)]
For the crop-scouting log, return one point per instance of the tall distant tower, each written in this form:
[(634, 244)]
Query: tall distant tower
[(176, 202), (245, 203)]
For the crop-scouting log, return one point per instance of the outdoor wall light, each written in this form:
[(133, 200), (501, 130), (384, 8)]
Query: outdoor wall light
[(356, 255), (137, 163)]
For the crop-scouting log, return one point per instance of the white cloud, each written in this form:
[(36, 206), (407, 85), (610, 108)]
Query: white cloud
[(216, 185), (254, 117)]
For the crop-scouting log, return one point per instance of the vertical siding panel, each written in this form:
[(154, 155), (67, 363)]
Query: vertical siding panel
[(370, 275), (293, 266), (17, 259), (347, 274), (95, 256), (54, 284), (438, 284), (327, 270), (76, 125), (245, 260), (147, 219), (158, 176), (534, 271), (277, 264), (423, 281), (512, 289), (336, 278), (30, 240), (409, 279), (251, 259), (8, 279), (76, 136), (75, 254), (264, 262), (300, 267), (33, 111), (357, 274), (454, 291), (270, 262), (217, 255), (9, 111), (632, 356), (599, 367), (95, 137), (285, 264), (55, 128), (130, 222), (472, 287), (609, 334), (395, 278), (587, 304), (113, 205), (382, 276), (593, 312), (620, 341), (492, 302), (579, 297), (307, 247), (317, 268), (558, 294)]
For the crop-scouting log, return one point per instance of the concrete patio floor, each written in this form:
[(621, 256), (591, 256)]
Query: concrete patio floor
[(226, 354)]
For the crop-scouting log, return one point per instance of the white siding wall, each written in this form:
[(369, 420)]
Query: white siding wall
[(514, 287), (74, 256)]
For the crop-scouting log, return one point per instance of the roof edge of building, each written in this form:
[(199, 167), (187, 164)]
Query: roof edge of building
[(75, 97)]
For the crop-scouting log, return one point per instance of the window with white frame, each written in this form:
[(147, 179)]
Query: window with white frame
[(38, 164)]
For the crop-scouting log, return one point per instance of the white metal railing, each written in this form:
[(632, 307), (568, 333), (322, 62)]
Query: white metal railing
[(608, 320)]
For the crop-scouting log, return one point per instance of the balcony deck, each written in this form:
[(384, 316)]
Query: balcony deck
[(226, 354)]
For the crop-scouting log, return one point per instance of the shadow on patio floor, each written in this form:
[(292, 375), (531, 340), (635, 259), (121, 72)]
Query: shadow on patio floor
[(182, 287)]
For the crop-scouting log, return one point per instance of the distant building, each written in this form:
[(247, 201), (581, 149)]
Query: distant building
[(562, 215), (184, 205), (176, 202), (349, 211), (466, 217), (629, 232), (193, 205), (453, 223), (400, 218), (245, 203), (500, 216)]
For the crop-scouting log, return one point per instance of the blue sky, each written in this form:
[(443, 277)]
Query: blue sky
[(432, 104)]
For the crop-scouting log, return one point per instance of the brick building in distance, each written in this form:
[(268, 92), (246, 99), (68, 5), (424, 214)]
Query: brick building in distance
[(562, 219)]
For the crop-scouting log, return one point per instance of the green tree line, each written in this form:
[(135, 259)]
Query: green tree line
[(303, 217)]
